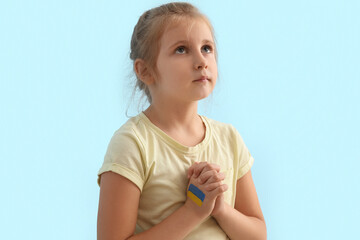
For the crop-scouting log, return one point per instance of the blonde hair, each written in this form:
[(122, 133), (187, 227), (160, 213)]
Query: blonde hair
[(149, 29)]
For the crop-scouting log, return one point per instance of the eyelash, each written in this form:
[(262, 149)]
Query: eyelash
[(186, 48)]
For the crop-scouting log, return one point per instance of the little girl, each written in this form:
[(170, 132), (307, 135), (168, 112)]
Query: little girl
[(168, 172)]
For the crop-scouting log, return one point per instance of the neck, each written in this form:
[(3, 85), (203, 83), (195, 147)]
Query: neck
[(166, 116)]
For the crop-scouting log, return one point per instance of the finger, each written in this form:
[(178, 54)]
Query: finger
[(217, 177), (210, 187), (210, 177), (196, 168), (205, 167), (219, 190), (191, 169)]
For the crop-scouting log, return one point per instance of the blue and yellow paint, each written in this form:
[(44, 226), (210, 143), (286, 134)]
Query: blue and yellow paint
[(196, 195)]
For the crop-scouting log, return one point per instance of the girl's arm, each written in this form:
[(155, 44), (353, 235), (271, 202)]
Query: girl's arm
[(114, 220), (176, 226), (246, 220), (118, 205)]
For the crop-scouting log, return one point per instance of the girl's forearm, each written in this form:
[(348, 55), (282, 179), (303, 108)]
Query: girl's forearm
[(176, 226), (239, 226)]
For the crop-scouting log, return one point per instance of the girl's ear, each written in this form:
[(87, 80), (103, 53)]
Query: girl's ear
[(143, 72)]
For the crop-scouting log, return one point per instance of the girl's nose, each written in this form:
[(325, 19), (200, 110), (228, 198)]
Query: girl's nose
[(201, 66), (200, 61)]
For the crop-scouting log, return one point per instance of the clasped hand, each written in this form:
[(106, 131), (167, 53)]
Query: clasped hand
[(207, 178)]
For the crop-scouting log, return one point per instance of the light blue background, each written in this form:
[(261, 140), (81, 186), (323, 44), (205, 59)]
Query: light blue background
[(289, 82)]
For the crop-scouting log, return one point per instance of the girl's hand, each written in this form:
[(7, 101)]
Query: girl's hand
[(198, 167), (219, 206), (207, 176), (210, 189)]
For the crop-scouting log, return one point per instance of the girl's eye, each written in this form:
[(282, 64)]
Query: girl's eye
[(208, 47), (180, 49)]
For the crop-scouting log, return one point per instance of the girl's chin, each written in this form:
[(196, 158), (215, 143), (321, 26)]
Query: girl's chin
[(202, 96)]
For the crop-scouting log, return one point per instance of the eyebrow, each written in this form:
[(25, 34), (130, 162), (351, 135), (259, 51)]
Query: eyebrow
[(185, 41)]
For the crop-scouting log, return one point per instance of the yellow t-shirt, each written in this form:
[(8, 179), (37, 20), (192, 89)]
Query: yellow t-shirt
[(158, 164)]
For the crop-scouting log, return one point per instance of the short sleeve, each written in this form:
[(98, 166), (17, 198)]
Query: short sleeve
[(124, 156), (244, 159)]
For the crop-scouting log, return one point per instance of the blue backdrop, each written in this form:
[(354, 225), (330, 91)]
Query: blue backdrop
[(289, 82)]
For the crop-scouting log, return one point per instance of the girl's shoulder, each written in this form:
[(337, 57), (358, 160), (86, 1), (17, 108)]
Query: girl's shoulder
[(127, 133), (137, 128), (131, 126)]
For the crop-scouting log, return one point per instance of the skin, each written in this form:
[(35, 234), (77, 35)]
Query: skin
[(178, 66)]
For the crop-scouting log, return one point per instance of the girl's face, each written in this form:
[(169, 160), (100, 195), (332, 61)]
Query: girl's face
[(186, 54)]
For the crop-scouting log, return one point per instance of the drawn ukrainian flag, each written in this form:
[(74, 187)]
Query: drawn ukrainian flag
[(196, 195)]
